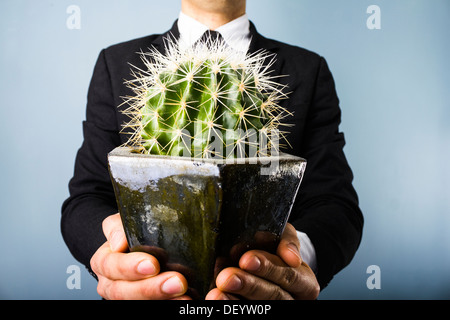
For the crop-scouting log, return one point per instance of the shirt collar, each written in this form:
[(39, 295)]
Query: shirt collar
[(236, 33)]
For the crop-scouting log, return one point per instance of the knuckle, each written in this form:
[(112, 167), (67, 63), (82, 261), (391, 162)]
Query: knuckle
[(97, 262), (315, 291), (101, 290), (252, 289), (93, 264), (276, 294), (307, 287), (290, 228), (106, 222), (268, 269), (291, 277), (290, 232), (104, 266), (114, 292), (146, 290)]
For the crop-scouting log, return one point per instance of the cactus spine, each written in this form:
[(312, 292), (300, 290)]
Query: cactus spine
[(205, 101)]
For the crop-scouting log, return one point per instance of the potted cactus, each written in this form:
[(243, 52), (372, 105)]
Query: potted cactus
[(201, 178)]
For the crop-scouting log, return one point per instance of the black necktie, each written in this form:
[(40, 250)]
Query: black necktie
[(210, 36)]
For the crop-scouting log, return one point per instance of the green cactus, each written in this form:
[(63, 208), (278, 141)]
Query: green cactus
[(205, 101)]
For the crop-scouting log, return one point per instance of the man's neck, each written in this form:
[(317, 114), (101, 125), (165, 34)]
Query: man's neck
[(213, 13)]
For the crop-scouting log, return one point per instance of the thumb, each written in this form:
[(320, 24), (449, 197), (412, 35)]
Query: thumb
[(114, 233), (289, 248)]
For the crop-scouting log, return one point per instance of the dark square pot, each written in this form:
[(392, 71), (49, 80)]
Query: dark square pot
[(192, 213)]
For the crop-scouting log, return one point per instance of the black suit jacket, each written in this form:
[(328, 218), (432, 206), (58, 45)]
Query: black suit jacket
[(327, 206)]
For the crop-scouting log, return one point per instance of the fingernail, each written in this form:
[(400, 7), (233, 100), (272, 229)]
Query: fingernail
[(146, 267), (294, 249), (173, 286), (234, 283), (254, 264)]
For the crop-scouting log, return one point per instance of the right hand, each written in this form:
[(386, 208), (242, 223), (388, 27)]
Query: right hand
[(132, 276)]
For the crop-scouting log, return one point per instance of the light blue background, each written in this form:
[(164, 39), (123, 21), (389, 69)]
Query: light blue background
[(393, 85)]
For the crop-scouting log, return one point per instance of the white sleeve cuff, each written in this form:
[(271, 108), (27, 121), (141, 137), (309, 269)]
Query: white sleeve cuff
[(307, 251)]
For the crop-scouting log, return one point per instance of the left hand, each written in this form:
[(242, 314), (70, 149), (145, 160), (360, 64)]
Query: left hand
[(265, 276)]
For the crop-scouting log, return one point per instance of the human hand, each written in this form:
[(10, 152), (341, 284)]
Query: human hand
[(265, 276), (135, 275)]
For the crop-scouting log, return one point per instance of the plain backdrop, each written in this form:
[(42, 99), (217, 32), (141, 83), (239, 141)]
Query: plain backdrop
[(393, 85)]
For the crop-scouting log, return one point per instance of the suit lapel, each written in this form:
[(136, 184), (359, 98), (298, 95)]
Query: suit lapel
[(173, 33), (259, 42)]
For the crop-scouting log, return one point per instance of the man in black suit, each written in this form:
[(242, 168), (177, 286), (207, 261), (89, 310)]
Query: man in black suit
[(325, 226)]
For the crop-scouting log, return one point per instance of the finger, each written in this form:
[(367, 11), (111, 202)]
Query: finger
[(167, 285), (123, 266), (114, 233), (300, 282), (216, 294), (185, 297), (270, 267), (249, 286), (289, 247)]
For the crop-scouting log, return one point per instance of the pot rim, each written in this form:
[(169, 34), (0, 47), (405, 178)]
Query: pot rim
[(128, 152)]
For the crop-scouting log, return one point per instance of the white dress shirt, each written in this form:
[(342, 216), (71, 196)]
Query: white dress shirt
[(236, 34)]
